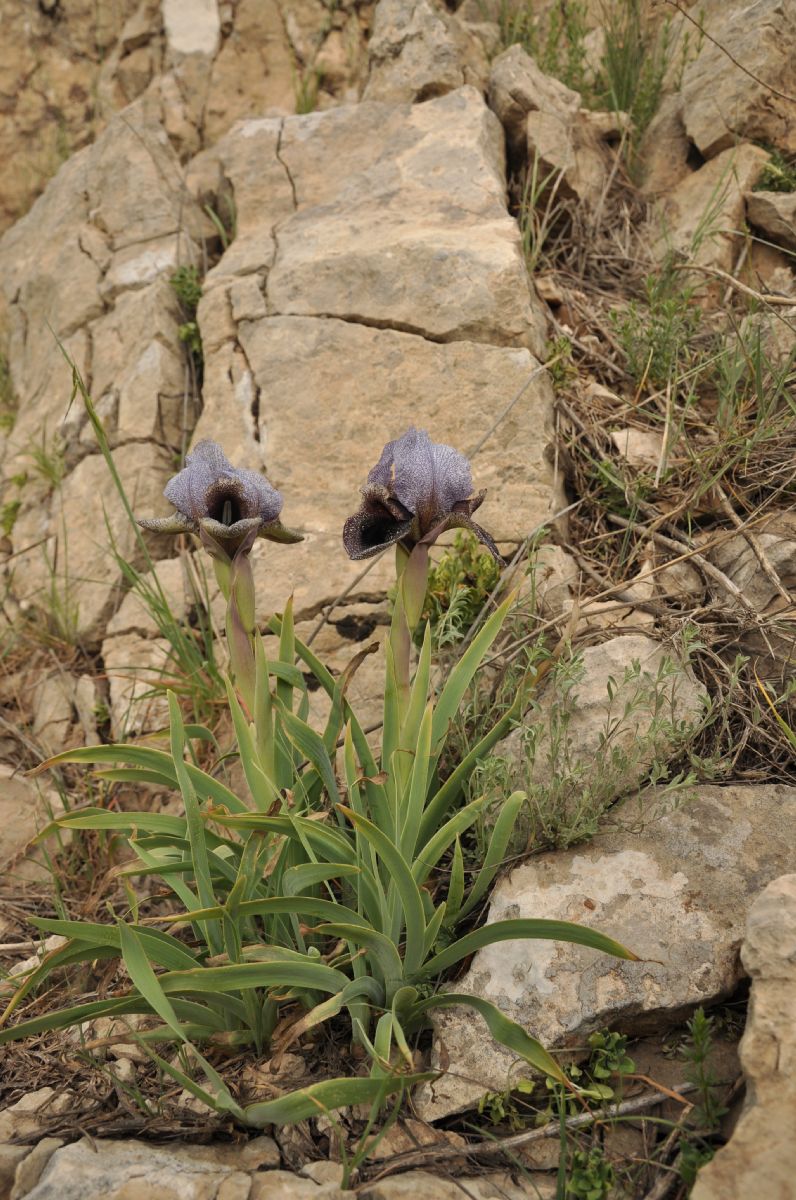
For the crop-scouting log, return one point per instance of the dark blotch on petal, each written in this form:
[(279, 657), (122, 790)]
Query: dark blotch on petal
[(372, 528)]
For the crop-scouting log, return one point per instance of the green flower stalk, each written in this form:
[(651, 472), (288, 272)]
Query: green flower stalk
[(228, 508), (417, 490)]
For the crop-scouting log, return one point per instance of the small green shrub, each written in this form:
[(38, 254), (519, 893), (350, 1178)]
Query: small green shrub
[(187, 285), (657, 335), (778, 175), (458, 586)]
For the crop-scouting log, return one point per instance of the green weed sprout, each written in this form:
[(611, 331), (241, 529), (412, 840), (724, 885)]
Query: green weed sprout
[(313, 895)]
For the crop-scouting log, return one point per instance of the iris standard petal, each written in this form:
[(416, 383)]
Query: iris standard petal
[(188, 489), (429, 477)]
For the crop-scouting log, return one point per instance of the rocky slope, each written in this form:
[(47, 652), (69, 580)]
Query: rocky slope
[(362, 269)]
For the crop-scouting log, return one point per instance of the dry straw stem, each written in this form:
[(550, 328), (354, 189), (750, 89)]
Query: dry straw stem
[(494, 1147)]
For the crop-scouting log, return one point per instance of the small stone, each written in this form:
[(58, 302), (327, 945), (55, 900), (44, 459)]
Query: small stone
[(639, 447), (417, 51), (29, 1170), (192, 26), (775, 214), (323, 1172)]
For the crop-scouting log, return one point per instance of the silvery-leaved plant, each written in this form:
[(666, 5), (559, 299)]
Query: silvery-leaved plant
[(417, 490), (222, 504)]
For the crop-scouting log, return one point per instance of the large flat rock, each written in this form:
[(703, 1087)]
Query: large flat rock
[(677, 893), (400, 219)]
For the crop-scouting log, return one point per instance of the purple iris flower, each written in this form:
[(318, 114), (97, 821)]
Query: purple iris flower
[(229, 505), (416, 491)]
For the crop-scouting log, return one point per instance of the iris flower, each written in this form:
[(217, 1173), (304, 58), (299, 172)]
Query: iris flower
[(416, 491), (221, 503)]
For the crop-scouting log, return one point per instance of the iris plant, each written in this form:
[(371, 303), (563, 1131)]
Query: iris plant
[(314, 890)]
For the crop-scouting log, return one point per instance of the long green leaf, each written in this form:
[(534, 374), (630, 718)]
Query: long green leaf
[(520, 929), (462, 674), (161, 948), (76, 1015), (438, 804), (414, 917), (297, 879), (496, 850), (415, 792), (158, 761), (303, 906), (325, 1097), (379, 947), (193, 820), (432, 850), (503, 1030), (239, 976), (144, 978), (310, 744), (263, 790)]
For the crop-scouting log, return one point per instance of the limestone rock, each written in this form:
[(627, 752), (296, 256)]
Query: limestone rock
[(664, 149), (134, 665), (192, 26), (760, 1157), (545, 129), (25, 1118), (739, 561), (702, 217), (419, 240), (130, 1170), (518, 87), (498, 1185), (417, 51), (25, 808), (29, 1171), (173, 577), (775, 214), (723, 104), (676, 893), (50, 64)]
